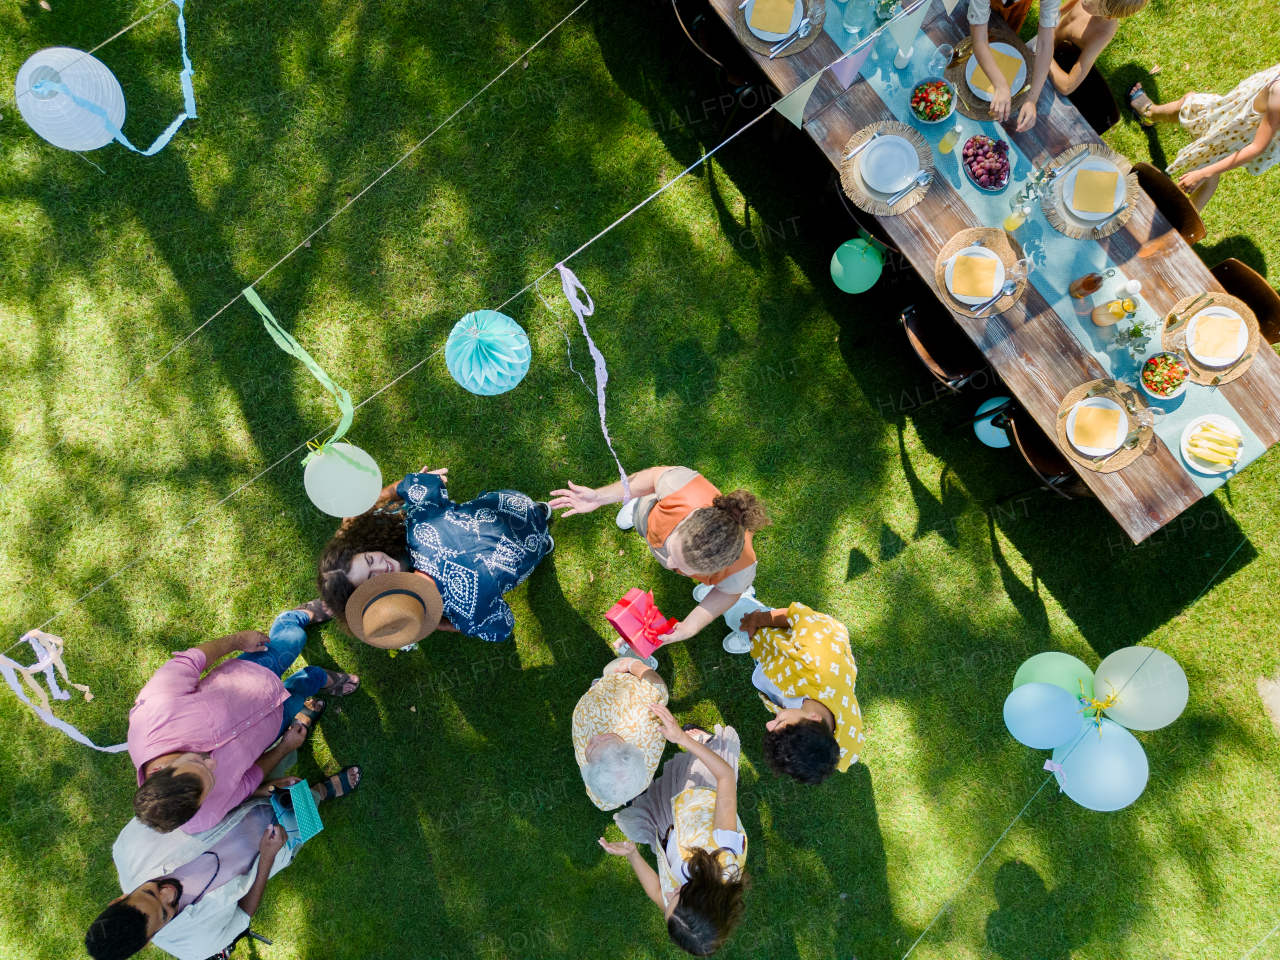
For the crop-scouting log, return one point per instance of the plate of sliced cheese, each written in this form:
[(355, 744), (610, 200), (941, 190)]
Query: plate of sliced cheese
[(1212, 444)]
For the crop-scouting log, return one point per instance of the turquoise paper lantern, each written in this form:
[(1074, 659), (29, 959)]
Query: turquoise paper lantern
[(487, 352), (856, 266)]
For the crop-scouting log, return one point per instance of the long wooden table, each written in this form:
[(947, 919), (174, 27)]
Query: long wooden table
[(1031, 349)]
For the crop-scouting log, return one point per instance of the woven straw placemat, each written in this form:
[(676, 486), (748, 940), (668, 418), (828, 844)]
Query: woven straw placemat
[(815, 10), (1059, 214), (1114, 390), (969, 104), (1177, 340), (994, 239), (873, 201)]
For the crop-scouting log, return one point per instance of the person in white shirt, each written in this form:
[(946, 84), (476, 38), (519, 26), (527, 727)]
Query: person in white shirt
[(193, 895)]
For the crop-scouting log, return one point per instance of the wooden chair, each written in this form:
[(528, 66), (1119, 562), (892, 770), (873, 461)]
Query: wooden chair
[(943, 348), (1052, 469), (1241, 280), (1093, 98), (1171, 201)]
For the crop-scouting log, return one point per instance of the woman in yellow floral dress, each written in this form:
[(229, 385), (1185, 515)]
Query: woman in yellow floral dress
[(689, 818), (1236, 130)]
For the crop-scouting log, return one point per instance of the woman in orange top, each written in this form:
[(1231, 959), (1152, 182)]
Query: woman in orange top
[(691, 528)]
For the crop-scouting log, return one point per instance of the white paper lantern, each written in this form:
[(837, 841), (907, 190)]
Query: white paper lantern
[(53, 115), (339, 487)]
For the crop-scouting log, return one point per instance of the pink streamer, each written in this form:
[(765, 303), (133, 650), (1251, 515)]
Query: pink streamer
[(571, 285), (846, 70), (1056, 768)]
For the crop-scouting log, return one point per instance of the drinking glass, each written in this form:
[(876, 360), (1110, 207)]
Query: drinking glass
[(852, 22), (1020, 270), (1149, 416), (941, 57)]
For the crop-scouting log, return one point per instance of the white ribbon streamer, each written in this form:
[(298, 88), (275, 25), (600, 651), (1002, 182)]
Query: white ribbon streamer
[(48, 651)]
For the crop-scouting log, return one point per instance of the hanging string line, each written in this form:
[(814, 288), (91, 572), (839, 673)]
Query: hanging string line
[(1261, 942), (1220, 569), (114, 36), (966, 880), (373, 183), (387, 386)]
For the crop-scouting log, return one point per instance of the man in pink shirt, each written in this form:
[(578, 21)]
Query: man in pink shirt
[(203, 745)]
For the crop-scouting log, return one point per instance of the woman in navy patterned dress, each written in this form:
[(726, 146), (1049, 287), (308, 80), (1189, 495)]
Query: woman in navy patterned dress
[(473, 552)]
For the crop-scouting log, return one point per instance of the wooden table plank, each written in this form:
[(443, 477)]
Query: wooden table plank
[(1029, 346)]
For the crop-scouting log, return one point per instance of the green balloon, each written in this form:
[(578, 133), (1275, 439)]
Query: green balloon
[(1060, 669), (856, 266)]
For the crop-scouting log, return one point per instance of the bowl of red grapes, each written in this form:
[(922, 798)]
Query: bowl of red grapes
[(986, 162)]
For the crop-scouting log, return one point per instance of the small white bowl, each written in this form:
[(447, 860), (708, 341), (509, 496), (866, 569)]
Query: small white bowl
[(1161, 396), (950, 87)]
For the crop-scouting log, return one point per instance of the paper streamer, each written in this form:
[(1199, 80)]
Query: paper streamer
[(904, 31), (188, 98), (48, 651), (846, 70), (284, 340), (792, 105), (950, 5), (571, 285)]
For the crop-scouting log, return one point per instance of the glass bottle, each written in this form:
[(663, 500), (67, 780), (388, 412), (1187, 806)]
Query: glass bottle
[(1089, 284), (1016, 218), (951, 138)]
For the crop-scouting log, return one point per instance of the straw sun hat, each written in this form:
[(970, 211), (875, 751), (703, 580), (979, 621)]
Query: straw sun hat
[(394, 609)]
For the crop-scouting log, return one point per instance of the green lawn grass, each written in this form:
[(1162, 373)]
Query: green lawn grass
[(729, 350)]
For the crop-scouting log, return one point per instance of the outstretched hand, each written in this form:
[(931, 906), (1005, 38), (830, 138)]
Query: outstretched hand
[(1027, 116), (670, 727), (251, 641), (439, 473), (619, 848), (577, 498), (273, 838)]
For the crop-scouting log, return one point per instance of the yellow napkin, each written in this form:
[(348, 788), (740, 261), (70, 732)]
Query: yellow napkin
[(1096, 427), (772, 16), (1008, 65), (1095, 191), (974, 277), (1217, 336)]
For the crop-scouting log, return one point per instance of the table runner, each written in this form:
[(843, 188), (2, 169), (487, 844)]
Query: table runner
[(1058, 259)]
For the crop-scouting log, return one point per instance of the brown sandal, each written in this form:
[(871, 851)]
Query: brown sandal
[(337, 685)]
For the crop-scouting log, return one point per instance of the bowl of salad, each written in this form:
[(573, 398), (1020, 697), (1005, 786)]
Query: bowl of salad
[(986, 162), (933, 100), (1165, 376)]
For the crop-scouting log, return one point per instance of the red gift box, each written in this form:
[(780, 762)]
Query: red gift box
[(639, 622)]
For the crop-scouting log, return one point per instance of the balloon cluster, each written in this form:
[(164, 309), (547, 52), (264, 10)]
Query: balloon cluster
[(1058, 704)]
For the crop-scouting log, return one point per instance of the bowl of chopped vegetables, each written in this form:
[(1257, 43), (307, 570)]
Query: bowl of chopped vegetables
[(1165, 376), (933, 100)]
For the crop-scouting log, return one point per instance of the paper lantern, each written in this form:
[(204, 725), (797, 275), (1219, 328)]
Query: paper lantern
[(1103, 767), (1041, 715), (1060, 669), (856, 266), (1152, 687), (53, 115), (487, 352), (343, 481)]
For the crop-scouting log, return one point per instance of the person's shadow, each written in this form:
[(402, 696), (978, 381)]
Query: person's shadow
[(1031, 922)]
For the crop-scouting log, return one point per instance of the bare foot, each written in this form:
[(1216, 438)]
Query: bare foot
[(339, 785)]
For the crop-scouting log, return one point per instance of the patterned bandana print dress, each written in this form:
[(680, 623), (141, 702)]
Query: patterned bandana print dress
[(474, 551), (1223, 125)]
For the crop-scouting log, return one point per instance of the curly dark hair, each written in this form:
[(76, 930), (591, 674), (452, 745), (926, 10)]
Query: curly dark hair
[(167, 800), (713, 536), (119, 932), (382, 529), (710, 906), (805, 751)]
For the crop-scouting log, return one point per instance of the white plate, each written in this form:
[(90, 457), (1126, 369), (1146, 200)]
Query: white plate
[(1207, 466), (1122, 428), (796, 17), (976, 252), (1014, 87), (889, 163), (1242, 340), (1069, 187)]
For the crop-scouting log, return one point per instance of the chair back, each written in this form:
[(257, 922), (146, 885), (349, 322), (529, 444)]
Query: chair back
[(1241, 280), (1044, 458), (941, 346), (1171, 201)]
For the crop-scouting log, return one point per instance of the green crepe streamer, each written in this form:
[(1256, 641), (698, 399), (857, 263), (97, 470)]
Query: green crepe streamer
[(284, 340)]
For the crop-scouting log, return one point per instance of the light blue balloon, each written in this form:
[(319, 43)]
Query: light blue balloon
[(1103, 767), (1041, 715), (487, 352)]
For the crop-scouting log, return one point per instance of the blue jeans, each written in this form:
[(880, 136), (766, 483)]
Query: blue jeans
[(284, 642)]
